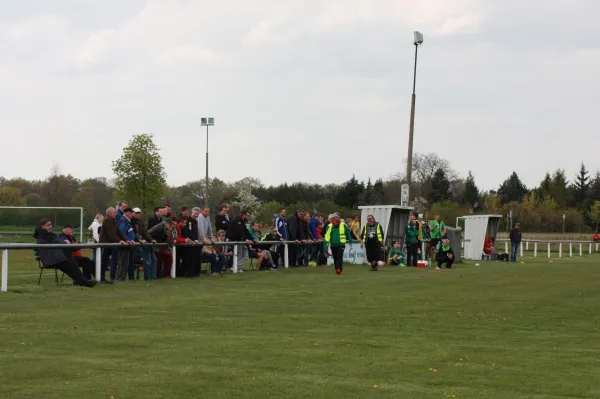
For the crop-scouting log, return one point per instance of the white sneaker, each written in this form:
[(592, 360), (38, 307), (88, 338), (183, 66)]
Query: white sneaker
[(240, 271), (438, 268)]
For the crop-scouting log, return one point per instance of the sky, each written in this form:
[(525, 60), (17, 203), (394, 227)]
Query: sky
[(305, 90)]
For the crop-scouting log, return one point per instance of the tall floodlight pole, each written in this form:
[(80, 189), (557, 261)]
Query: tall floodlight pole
[(417, 42), (206, 122)]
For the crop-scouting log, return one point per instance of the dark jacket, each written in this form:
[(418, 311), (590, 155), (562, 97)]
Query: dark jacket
[(153, 221), (222, 222), (294, 228), (515, 235), (269, 237), (442, 255), (50, 257), (305, 231), (190, 230), (238, 231), (282, 227), (140, 230), (110, 232)]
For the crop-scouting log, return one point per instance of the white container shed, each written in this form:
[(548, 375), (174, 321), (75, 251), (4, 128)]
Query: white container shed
[(392, 218), (476, 229)]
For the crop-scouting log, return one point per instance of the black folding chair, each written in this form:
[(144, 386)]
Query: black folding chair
[(41, 267)]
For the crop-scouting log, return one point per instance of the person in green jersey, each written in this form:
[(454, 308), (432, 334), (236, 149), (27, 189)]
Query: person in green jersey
[(437, 230), (412, 236), (396, 256)]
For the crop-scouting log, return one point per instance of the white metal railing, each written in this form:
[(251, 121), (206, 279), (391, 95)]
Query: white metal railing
[(592, 246), (98, 246)]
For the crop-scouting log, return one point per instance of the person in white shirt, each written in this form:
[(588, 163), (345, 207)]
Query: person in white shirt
[(95, 227), (205, 232)]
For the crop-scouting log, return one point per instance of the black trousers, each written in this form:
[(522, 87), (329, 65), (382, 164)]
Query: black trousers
[(338, 256), (445, 260), (191, 260), (86, 265), (280, 253), (293, 254), (71, 269), (412, 255)]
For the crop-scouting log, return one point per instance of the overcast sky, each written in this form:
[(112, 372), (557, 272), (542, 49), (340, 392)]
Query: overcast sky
[(301, 90)]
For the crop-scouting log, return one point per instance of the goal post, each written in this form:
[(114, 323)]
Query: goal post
[(55, 208)]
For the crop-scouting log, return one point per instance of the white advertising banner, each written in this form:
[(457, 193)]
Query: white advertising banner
[(353, 254)]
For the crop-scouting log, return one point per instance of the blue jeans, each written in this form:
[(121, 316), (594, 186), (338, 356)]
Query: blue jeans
[(215, 266), (149, 263), (514, 250)]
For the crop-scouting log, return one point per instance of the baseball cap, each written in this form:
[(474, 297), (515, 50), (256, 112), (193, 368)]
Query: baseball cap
[(137, 210), (68, 226), (128, 209), (336, 214)]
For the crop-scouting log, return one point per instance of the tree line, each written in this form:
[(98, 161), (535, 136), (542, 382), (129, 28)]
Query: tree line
[(556, 203)]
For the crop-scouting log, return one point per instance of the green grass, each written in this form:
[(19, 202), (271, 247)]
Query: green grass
[(495, 331)]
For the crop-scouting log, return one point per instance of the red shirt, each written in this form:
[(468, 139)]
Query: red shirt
[(487, 246), (180, 239)]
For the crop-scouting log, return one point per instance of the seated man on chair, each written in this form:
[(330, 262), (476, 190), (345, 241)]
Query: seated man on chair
[(57, 257), (83, 262)]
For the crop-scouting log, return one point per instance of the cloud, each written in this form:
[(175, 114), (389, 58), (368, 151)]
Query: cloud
[(286, 80)]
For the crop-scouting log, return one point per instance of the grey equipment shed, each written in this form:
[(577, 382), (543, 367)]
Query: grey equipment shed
[(476, 229), (392, 218)]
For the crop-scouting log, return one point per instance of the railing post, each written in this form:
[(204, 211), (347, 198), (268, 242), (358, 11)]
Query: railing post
[(596, 247), (570, 249), (98, 264), (174, 262), (286, 261), (535, 249), (548, 249), (235, 258), (590, 248), (560, 249), (4, 271), (506, 247), (580, 249), (526, 245), (521, 249)]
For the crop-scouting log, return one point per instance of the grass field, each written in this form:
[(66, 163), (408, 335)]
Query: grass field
[(496, 331)]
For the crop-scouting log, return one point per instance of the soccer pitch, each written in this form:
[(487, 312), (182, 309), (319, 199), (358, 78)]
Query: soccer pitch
[(495, 331)]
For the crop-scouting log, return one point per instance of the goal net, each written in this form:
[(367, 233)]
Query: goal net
[(17, 223)]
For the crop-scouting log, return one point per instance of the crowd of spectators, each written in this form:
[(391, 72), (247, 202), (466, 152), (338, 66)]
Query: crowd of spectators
[(192, 231)]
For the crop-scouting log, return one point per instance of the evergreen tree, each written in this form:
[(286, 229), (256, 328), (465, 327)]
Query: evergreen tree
[(378, 194), (559, 188), (368, 195), (349, 194), (439, 187), (545, 186), (471, 195), (581, 187), (512, 189)]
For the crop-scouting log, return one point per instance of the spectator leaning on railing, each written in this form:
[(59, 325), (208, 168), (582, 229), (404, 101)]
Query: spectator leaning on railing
[(57, 257), (294, 234), (126, 260), (110, 233), (238, 231), (191, 255), (282, 228), (142, 236), (164, 232)]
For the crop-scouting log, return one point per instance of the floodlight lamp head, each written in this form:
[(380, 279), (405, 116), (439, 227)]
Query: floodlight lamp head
[(418, 38), (207, 121)]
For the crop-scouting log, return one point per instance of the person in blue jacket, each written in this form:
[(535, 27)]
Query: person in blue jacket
[(126, 264), (282, 229)]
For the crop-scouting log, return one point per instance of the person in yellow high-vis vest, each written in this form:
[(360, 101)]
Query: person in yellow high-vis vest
[(336, 237), (372, 238)]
